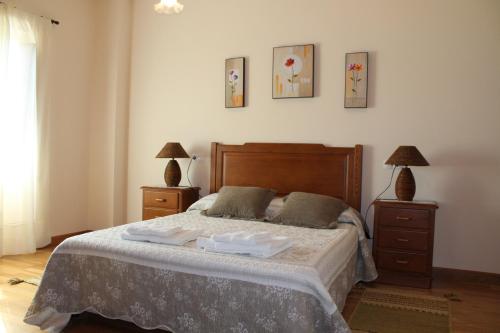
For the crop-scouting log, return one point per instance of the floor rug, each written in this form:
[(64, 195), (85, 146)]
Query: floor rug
[(384, 311)]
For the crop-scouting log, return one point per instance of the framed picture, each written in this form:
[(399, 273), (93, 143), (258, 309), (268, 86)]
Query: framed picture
[(293, 71), (235, 83), (356, 80)]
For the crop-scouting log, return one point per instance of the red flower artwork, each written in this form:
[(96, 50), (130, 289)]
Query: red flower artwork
[(289, 62)]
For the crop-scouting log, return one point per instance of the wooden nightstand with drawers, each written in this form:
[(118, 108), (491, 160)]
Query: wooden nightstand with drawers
[(163, 201), (403, 242)]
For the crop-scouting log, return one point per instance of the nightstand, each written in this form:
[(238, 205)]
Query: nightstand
[(403, 242), (163, 201)]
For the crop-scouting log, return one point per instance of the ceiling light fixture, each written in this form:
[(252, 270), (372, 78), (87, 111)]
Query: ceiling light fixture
[(168, 7)]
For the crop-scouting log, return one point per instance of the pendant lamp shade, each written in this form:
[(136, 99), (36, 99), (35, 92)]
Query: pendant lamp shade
[(168, 7)]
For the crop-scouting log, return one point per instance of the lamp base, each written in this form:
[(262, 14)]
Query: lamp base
[(172, 173), (405, 185)]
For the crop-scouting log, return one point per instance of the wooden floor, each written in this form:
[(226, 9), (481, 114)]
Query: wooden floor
[(15, 299), (478, 308)]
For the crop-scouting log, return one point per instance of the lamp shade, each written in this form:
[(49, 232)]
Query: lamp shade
[(407, 156), (172, 150)]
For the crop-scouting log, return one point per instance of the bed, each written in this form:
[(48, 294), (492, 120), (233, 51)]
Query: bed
[(184, 289)]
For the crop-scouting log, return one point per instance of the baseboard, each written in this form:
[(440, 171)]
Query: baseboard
[(56, 240), (466, 275)]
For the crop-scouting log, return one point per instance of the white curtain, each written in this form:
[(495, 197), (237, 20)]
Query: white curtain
[(23, 132)]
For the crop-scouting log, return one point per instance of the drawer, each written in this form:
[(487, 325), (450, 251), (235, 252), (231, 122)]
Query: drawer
[(159, 199), (401, 261), (403, 239), (404, 217), (151, 213)]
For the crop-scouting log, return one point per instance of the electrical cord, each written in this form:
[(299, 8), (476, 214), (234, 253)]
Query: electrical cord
[(381, 193), (189, 166)]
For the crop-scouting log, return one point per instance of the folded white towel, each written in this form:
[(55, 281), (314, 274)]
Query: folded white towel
[(159, 230), (180, 238), (269, 249), (244, 237)]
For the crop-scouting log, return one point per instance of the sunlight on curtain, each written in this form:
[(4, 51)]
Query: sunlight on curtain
[(2, 326), (20, 219)]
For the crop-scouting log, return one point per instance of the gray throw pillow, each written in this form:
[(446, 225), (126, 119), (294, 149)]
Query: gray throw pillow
[(310, 210), (241, 202)]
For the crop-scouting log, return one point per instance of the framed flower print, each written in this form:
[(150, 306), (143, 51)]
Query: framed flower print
[(356, 80), (235, 82), (293, 71)]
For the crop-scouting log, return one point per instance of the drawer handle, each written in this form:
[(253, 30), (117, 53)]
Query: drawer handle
[(161, 200), (403, 240), (402, 262), (402, 218)]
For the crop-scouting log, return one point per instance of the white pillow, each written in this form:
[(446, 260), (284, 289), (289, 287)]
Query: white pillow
[(274, 208), (204, 203)]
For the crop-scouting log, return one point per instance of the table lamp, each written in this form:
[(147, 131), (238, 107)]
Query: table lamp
[(173, 173), (406, 156)]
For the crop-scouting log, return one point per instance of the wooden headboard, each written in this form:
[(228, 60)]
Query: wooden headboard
[(290, 167)]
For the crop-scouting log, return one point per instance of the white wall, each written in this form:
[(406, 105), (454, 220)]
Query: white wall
[(434, 83), (108, 133)]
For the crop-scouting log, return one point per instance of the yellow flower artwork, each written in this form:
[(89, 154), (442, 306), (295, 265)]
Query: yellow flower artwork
[(356, 80)]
